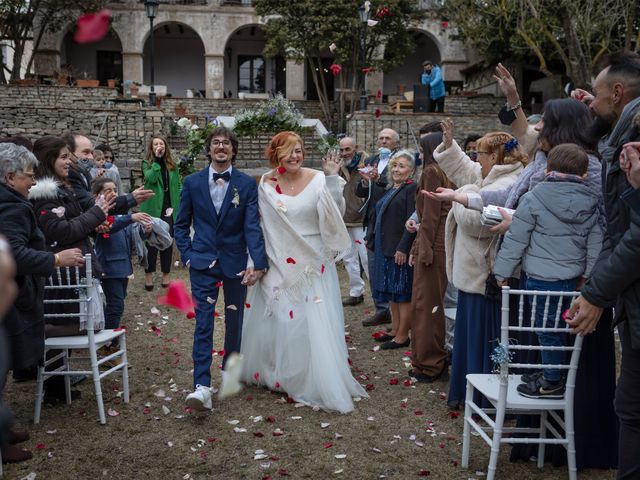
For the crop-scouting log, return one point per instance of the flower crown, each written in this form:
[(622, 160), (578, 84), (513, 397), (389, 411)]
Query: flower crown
[(511, 145)]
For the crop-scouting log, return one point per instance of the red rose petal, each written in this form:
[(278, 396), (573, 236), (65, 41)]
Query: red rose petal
[(377, 113), (92, 27), (393, 381), (278, 189), (409, 182), (256, 376), (370, 386), (322, 268), (212, 439), (146, 411), (177, 297), (406, 382), (424, 473), (454, 415), (120, 329), (403, 404), (418, 413), (247, 305), (270, 419), (219, 284), (40, 446), (221, 353), (43, 212), (258, 434), (379, 94), (441, 445), (191, 315), (291, 260), (359, 242), (327, 444), (291, 314), (274, 458), (277, 385), (281, 170), (105, 235), (248, 398), (273, 179), (283, 472), (216, 314)]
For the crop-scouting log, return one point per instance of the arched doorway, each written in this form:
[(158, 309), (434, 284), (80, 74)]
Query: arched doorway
[(179, 59), (404, 76), (247, 70), (100, 60)]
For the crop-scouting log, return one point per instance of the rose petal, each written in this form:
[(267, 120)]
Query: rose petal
[(210, 300), (327, 444), (92, 27), (177, 297), (278, 189), (291, 314), (191, 315), (393, 381), (232, 307), (168, 212), (112, 412), (291, 260)]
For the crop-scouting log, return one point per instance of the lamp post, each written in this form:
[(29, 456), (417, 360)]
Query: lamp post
[(152, 12), (364, 18)]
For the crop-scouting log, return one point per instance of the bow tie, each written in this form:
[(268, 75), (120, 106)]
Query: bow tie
[(226, 176)]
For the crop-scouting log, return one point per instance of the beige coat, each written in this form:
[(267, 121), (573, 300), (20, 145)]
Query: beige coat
[(470, 247)]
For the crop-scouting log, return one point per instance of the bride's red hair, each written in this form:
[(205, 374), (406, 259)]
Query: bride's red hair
[(281, 146)]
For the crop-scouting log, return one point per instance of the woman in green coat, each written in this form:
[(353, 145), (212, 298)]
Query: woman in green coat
[(160, 175)]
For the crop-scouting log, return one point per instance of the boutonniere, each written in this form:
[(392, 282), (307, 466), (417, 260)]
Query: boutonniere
[(236, 198), (409, 182)]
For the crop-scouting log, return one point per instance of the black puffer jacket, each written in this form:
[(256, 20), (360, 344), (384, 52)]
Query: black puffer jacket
[(616, 275), (62, 220), (25, 320)]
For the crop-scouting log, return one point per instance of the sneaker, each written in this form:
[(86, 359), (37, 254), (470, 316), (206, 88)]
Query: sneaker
[(530, 377), (200, 400), (542, 388)]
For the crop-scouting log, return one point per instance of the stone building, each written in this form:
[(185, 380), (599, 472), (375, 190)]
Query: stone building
[(214, 47)]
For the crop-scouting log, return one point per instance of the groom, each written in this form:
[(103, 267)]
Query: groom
[(227, 249)]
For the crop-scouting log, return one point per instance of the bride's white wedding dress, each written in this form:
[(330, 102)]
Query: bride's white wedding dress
[(293, 334)]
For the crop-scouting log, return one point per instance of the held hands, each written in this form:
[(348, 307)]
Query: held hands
[(71, 257), (412, 226), (141, 194), (583, 316), (507, 84), (630, 163), (331, 163), (104, 227), (400, 258), (411, 260), (447, 132), (251, 276), (504, 225)]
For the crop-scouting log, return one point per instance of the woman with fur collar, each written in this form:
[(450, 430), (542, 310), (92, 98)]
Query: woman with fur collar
[(471, 248), (59, 215)]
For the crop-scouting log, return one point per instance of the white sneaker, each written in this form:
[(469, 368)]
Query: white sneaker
[(200, 400)]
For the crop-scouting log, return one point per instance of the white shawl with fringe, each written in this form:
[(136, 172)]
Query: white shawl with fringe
[(284, 245)]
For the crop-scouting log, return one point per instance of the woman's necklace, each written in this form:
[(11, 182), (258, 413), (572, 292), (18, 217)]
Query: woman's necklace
[(290, 183)]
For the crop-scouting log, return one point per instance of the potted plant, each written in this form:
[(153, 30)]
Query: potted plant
[(135, 88), (112, 82), (181, 110), (62, 77), (87, 82)]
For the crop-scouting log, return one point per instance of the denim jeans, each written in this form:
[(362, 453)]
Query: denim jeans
[(115, 289), (551, 339)]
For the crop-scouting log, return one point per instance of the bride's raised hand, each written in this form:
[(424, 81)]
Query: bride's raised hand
[(331, 163)]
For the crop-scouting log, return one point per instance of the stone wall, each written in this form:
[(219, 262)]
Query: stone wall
[(34, 111), (365, 127)]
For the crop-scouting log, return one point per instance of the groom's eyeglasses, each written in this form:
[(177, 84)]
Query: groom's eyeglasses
[(217, 143)]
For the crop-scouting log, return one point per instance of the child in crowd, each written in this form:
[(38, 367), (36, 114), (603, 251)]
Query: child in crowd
[(557, 236), (113, 250), (102, 168)]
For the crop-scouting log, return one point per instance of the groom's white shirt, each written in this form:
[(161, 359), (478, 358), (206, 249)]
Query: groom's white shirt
[(218, 189)]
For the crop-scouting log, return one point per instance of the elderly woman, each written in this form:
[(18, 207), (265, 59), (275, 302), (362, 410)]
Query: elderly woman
[(393, 273), (471, 248), (24, 320)]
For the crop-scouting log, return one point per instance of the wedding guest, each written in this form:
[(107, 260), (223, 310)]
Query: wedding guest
[(428, 325), (393, 273), (162, 177)]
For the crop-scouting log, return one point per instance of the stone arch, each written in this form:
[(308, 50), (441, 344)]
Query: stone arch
[(179, 58), (246, 69), (404, 76), (101, 60)]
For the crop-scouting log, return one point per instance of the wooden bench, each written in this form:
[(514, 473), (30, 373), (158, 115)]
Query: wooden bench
[(400, 104)]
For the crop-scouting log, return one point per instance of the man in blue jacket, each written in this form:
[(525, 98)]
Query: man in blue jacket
[(432, 76), (227, 249)]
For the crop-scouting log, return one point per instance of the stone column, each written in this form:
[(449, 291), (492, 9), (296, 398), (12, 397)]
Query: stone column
[(132, 66), (214, 76), (46, 62), (374, 82), (295, 80)]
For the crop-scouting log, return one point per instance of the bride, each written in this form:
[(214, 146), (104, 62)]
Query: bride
[(293, 333)]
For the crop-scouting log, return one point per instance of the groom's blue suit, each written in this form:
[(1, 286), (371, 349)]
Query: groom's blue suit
[(217, 253)]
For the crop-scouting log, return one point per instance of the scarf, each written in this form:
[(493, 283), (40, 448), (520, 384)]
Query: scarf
[(292, 261), (621, 133)]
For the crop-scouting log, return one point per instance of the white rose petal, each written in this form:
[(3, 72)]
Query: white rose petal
[(333, 47), (168, 212), (372, 23), (435, 309), (340, 456)]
